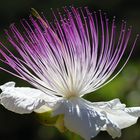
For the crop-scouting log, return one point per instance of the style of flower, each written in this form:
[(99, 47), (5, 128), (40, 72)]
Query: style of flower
[(64, 60)]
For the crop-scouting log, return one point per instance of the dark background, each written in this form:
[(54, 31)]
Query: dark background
[(126, 86)]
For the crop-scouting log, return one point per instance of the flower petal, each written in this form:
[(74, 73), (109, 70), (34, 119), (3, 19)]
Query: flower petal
[(112, 128), (134, 111), (117, 113), (88, 119), (23, 100), (80, 118)]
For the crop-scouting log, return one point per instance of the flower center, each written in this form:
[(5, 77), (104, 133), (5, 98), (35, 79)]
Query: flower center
[(70, 95)]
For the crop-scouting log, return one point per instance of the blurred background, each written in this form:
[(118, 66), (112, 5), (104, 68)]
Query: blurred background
[(126, 86)]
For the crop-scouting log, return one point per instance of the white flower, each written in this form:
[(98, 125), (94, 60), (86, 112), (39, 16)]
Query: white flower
[(64, 62)]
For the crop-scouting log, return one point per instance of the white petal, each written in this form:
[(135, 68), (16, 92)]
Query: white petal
[(23, 99), (117, 113), (112, 128), (7, 85), (80, 118), (88, 119), (121, 118), (113, 104), (134, 111)]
